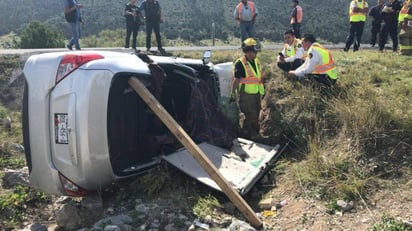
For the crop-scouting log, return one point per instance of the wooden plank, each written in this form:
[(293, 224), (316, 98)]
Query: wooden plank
[(196, 152)]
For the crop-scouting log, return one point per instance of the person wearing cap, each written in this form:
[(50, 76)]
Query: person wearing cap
[(248, 88), (296, 17), (357, 17), (292, 54), (246, 12), (319, 64)]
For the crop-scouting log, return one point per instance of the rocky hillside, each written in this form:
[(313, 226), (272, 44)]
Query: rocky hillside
[(188, 19)]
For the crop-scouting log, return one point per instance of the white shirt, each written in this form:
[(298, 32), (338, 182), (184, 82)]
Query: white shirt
[(298, 54), (313, 59)]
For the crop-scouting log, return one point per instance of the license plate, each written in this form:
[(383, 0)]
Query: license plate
[(61, 128)]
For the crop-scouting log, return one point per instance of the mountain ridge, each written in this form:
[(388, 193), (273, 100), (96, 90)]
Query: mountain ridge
[(189, 19)]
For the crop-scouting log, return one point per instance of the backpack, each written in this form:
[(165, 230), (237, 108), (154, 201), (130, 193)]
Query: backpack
[(71, 16)]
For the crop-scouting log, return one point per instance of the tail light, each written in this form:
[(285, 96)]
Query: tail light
[(71, 62), (71, 188)]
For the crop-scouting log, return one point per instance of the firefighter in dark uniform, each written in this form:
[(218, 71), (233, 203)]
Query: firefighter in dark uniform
[(390, 13), (376, 14), (248, 87)]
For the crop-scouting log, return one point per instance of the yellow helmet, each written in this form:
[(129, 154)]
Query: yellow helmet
[(249, 45)]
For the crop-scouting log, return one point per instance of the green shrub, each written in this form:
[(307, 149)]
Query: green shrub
[(38, 35)]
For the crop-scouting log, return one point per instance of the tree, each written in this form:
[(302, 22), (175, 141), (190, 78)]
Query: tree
[(38, 35)]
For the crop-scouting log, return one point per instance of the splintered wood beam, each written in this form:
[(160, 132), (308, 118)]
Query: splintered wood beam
[(195, 151)]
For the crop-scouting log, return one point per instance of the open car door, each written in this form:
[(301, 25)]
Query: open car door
[(242, 165)]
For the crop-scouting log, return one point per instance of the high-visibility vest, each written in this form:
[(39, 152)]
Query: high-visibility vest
[(357, 16), (252, 81), (290, 50), (240, 7), (299, 14), (328, 65), (404, 11)]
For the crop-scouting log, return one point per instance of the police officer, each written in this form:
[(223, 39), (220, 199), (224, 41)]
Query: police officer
[(319, 64), (292, 54), (248, 86), (246, 12)]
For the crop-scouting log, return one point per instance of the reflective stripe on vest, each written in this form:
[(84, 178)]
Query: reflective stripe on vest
[(252, 81), (328, 65), (357, 16), (405, 47), (240, 7)]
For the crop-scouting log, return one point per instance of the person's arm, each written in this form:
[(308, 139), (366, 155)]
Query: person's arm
[(238, 73), (142, 7), (68, 9), (236, 13), (355, 7), (160, 13), (256, 13), (299, 14), (235, 86), (127, 10), (298, 55), (311, 61), (366, 8), (372, 12), (281, 58)]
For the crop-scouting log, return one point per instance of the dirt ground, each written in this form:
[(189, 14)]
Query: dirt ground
[(304, 213)]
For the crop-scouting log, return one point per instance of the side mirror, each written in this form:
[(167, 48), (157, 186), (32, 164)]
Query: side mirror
[(206, 57)]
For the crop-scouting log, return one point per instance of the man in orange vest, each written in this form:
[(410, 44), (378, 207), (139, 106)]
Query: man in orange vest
[(296, 18), (246, 12), (357, 17), (248, 86)]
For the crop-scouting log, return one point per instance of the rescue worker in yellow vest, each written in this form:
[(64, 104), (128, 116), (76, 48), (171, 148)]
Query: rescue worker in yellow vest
[(405, 22), (357, 17), (319, 64), (404, 11), (246, 12), (292, 54), (248, 87)]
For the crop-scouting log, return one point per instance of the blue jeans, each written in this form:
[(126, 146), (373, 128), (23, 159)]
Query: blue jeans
[(246, 30), (76, 35)]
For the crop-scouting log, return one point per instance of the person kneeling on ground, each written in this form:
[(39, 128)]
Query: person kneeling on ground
[(319, 64), (292, 54)]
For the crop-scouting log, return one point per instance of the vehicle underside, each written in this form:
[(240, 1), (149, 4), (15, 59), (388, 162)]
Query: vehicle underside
[(137, 137)]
